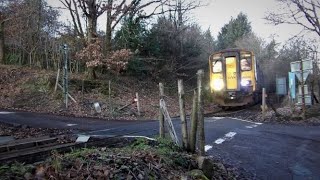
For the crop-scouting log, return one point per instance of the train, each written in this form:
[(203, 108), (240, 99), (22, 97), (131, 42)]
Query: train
[(235, 78)]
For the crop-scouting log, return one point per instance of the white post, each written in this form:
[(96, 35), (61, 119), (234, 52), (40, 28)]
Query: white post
[(138, 104)]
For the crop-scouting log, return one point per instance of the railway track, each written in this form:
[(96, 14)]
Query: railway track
[(38, 149), (231, 111)]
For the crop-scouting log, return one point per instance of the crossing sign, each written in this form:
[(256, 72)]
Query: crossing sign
[(303, 71), (296, 65), (305, 75)]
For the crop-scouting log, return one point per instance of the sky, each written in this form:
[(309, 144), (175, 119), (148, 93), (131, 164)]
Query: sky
[(219, 12)]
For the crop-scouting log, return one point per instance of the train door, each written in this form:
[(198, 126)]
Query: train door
[(231, 73)]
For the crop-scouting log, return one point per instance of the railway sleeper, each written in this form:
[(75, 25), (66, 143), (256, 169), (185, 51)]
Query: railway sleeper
[(27, 144)]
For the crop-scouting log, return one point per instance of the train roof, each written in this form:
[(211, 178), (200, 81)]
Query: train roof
[(231, 50)]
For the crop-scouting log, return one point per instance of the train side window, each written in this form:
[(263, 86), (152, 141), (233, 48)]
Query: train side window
[(217, 67), (245, 64)]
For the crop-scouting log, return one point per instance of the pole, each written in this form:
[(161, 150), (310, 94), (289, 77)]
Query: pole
[(57, 80), (109, 91), (65, 78), (82, 88), (302, 90), (138, 104), (161, 116), (184, 128), (263, 103), (193, 132), (200, 114)]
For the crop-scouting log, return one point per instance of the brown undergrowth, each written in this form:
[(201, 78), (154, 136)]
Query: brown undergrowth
[(141, 159), (27, 89)]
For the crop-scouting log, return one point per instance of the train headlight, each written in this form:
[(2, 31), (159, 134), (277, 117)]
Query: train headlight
[(245, 82), (217, 84)]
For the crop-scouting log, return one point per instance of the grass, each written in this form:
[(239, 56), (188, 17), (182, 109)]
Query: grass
[(14, 170), (40, 84), (169, 152), (162, 151)]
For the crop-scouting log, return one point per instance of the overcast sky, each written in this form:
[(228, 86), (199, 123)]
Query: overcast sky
[(219, 12)]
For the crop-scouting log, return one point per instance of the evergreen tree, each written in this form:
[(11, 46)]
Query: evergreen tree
[(234, 30), (132, 35)]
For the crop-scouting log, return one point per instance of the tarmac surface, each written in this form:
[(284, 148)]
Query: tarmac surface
[(267, 151)]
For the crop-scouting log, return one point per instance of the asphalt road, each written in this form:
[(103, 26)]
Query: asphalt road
[(268, 151)]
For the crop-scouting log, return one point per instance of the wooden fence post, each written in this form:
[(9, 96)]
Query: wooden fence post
[(263, 103), (109, 92), (193, 131), (138, 104), (82, 87), (161, 116), (57, 80), (184, 128), (201, 142)]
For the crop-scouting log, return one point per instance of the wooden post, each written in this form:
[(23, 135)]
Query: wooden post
[(302, 90), (161, 116), (263, 108), (184, 128), (201, 142), (57, 80), (138, 104), (109, 91), (82, 88), (67, 94), (193, 131)]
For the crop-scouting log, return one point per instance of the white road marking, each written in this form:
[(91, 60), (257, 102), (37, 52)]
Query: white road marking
[(219, 141), (207, 147), (247, 121), (102, 130), (151, 139), (5, 112), (252, 126), (230, 134), (213, 119), (217, 118), (69, 125), (210, 120), (226, 137)]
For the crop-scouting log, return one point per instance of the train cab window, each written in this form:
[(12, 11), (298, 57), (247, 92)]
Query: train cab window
[(217, 67), (245, 64)]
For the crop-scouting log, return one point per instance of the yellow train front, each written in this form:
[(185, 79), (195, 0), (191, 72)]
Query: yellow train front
[(234, 77)]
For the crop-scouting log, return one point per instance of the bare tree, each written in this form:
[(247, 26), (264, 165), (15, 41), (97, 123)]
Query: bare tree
[(136, 8), (91, 9), (2, 40), (73, 8), (4, 17), (299, 12), (117, 10)]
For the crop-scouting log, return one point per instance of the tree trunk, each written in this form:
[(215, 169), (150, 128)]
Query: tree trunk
[(91, 73), (109, 27), (180, 28), (92, 29), (1, 43)]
